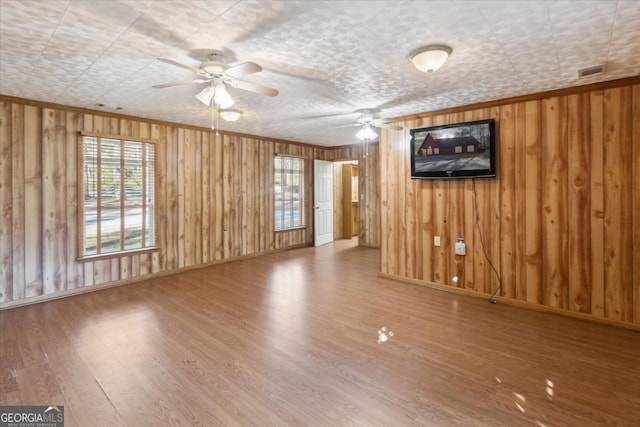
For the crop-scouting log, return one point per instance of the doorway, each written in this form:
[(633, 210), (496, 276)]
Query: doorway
[(323, 204), (346, 218), (337, 201)]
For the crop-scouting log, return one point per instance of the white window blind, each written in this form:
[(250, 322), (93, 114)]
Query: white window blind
[(118, 197), (289, 203)]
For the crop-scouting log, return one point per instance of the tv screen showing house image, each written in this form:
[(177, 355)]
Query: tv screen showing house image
[(454, 151)]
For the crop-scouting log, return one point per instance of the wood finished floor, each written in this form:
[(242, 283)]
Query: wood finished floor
[(291, 339)]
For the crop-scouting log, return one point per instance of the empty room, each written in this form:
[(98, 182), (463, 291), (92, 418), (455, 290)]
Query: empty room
[(319, 213)]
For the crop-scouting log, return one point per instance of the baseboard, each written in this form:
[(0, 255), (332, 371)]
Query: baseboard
[(368, 245), (516, 303), (93, 288)]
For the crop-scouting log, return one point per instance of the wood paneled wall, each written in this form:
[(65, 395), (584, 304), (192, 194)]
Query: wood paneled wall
[(560, 223), (203, 182)]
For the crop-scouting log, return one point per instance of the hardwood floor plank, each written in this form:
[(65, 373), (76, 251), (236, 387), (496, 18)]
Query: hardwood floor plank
[(293, 338)]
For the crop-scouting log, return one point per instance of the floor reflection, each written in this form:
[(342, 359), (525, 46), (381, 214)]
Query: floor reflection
[(384, 335), (536, 406), (117, 330), (286, 299)]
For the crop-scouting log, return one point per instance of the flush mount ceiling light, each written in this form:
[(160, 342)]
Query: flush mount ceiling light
[(429, 58), (230, 114)]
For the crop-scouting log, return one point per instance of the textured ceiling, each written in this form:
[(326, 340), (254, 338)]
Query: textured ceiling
[(328, 59)]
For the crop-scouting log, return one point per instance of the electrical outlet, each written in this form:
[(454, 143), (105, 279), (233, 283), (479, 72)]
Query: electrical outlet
[(460, 247), (436, 240), (224, 227)]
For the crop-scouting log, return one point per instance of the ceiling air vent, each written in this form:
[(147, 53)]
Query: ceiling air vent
[(592, 71)]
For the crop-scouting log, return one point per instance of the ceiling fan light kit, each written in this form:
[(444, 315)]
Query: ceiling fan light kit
[(218, 93), (429, 58), (367, 133), (230, 114), (205, 95), (222, 97)]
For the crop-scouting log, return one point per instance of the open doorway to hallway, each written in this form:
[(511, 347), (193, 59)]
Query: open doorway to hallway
[(346, 200)]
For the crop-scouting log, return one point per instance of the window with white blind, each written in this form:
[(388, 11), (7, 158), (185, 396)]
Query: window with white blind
[(289, 193), (116, 212)]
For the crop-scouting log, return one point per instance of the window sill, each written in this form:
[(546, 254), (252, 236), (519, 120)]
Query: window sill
[(110, 255), (302, 227)]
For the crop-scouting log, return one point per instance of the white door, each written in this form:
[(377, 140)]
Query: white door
[(323, 202)]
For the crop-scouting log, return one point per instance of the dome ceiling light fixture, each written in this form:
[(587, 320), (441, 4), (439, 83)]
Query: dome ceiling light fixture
[(230, 114), (429, 58)]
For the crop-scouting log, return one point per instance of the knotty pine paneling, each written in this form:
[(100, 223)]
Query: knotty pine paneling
[(75, 271), (203, 181), (560, 222), (54, 196), (554, 202), (635, 144), (18, 217), (532, 202), (618, 202), (520, 211), (579, 169), (6, 196)]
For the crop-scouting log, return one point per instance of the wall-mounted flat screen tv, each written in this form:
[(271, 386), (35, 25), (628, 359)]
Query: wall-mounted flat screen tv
[(462, 150)]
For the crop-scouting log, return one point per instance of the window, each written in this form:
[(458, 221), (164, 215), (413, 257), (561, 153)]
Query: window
[(117, 196), (289, 193)]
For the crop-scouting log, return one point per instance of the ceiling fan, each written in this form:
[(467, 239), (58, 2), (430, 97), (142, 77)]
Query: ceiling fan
[(368, 122), (215, 71)]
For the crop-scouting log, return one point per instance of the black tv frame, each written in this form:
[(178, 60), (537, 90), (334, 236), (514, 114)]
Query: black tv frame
[(465, 130)]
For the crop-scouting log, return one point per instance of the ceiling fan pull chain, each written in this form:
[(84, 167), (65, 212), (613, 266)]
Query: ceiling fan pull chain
[(212, 114), (217, 120)]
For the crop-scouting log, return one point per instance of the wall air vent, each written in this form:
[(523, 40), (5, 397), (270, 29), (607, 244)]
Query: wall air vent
[(592, 71)]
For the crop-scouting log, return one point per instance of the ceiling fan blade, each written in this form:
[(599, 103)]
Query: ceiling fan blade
[(387, 126), (183, 66), (254, 87), (347, 126), (243, 69), (180, 83)]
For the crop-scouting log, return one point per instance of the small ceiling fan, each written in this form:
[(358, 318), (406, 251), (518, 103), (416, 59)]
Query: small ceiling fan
[(215, 71), (368, 122)]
